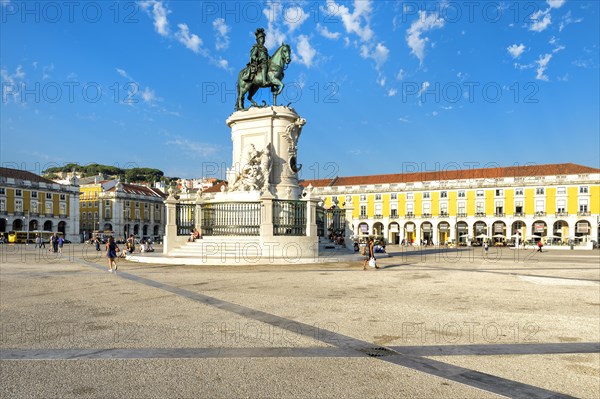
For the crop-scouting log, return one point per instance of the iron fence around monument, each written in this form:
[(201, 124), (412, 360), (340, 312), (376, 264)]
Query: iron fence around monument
[(321, 221), (231, 219), (185, 218), (289, 218)]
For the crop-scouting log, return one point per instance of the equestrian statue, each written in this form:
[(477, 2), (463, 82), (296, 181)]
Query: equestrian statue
[(262, 71)]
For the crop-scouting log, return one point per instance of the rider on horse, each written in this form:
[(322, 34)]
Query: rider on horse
[(259, 58)]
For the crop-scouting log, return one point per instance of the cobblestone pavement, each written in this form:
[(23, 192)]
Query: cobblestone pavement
[(430, 323)]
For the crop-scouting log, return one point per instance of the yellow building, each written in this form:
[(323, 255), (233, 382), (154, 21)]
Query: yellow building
[(31, 203), (121, 209), (556, 203)]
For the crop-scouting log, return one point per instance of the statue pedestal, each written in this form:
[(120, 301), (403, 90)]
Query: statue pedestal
[(257, 128), (262, 216)]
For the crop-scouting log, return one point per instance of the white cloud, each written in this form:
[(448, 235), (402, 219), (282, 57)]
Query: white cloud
[(424, 86), (423, 24), (380, 55), (567, 20), (392, 92), (274, 35), (223, 63), (356, 22), (542, 63), (305, 50), (124, 73), (159, 14), (405, 120), (46, 71), (294, 17), (555, 3), (221, 34), (19, 72), (193, 148), (541, 20), (148, 95), (516, 50), (191, 41), (323, 31), (401, 74)]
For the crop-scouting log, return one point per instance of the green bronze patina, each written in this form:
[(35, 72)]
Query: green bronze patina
[(262, 71)]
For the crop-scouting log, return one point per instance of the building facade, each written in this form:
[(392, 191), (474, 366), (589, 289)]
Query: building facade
[(30, 203), (558, 203), (110, 206)]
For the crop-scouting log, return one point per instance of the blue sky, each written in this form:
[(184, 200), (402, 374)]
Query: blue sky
[(385, 86)]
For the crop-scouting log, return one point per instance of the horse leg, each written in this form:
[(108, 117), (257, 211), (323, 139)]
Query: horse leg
[(239, 105), (276, 88), (251, 92)]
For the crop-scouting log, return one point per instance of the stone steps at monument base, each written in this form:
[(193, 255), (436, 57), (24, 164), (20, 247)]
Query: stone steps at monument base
[(216, 247)]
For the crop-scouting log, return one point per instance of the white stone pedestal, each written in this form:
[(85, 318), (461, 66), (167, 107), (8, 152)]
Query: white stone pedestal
[(278, 127)]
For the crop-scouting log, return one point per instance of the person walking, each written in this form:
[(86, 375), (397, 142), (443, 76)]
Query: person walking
[(369, 253), (38, 242), (540, 245), (60, 243), (486, 246), (111, 253), (54, 243)]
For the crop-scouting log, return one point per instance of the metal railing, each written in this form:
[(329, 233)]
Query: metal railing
[(185, 218), (320, 221), (289, 218), (231, 219)]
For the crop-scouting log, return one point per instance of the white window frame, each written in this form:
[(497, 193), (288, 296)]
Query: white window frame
[(540, 205), (519, 192), (462, 194), (479, 207), (480, 193), (444, 194), (427, 207)]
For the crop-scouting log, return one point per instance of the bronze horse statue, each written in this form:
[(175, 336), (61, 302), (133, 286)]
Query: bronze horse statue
[(277, 64)]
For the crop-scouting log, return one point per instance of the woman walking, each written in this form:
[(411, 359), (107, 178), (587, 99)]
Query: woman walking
[(111, 253), (369, 253)]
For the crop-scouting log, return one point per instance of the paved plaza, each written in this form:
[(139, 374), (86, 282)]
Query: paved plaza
[(428, 324)]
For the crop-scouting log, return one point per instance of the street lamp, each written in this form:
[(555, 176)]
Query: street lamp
[(27, 239)]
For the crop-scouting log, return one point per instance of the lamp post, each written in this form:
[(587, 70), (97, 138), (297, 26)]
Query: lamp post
[(27, 239)]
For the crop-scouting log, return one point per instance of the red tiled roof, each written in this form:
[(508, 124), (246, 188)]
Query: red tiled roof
[(24, 175), (464, 174), (216, 188), (140, 190)]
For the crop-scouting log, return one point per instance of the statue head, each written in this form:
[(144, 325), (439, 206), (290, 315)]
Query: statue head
[(260, 32)]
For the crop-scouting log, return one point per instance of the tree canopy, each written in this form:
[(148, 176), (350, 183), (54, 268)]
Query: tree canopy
[(128, 174)]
